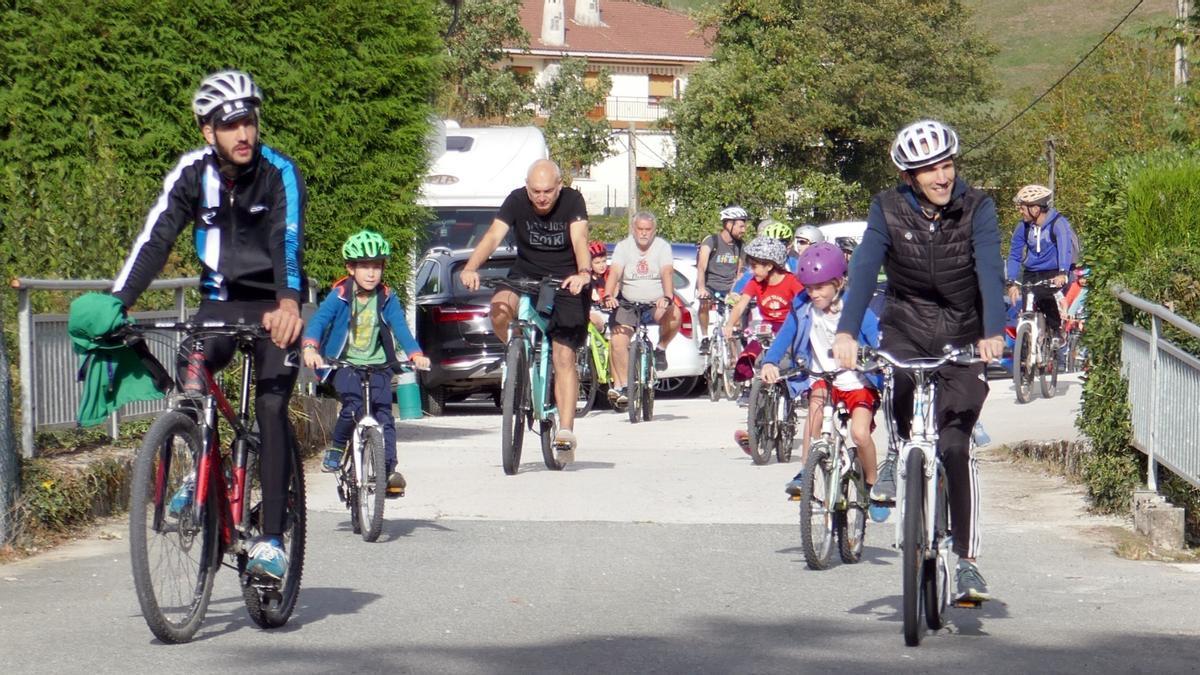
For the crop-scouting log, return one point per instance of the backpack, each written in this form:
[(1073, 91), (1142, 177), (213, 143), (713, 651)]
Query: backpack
[(1076, 251)]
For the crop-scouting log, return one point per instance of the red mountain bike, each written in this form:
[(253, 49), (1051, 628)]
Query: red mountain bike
[(192, 504)]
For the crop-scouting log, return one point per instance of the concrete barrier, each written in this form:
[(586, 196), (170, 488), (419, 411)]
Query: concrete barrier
[(1158, 519)]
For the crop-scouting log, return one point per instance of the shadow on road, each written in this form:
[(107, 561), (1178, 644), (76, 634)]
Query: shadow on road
[(417, 433), (398, 528), (228, 614)]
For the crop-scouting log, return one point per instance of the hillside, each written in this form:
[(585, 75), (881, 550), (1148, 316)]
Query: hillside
[(1040, 40)]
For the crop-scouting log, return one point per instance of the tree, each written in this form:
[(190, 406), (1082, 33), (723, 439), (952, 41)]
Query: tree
[(478, 88), (815, 90), (576, 138)]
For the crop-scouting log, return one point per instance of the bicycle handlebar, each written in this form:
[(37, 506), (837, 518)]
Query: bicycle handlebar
[(526, 286), (962, 356), (214, 327), (405, 366)]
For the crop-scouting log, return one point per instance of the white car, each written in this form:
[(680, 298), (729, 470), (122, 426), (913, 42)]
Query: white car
[(850, 228), (685, 365)]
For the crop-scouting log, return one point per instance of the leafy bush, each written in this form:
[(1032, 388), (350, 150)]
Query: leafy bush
[(95, 109), (1138, 233)]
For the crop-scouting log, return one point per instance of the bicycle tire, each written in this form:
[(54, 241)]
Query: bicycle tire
[(549, 427), (912, 555), (1022, 373), (937, 570), (633, 381), (169, 449), (512, 432), (585, 367), (728, 363), (1074, 363), (713, 372), (272, 610), (372, 491), (852, 521), (758, 422), (1048, 373), (814, 508), (650, 381), (786, 434), (352, 498)]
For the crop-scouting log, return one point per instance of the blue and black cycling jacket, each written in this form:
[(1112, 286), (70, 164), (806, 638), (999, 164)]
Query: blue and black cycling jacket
[(1040, 249), (248, 232)]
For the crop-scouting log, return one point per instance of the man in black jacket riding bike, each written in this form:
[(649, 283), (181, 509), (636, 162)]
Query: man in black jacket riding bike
[(939, 241), (246, 204)]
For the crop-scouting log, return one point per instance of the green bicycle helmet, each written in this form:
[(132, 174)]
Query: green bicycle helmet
[(366, 245), (775, 230)]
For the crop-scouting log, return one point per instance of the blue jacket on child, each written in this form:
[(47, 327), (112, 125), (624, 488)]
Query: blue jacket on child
[(793, 337), (329, 329)]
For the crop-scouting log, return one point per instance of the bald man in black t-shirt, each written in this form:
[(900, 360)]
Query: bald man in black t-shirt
[(551, 228)]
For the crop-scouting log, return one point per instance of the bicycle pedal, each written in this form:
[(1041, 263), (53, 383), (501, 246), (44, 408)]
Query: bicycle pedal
[(794, 498), (968, 603), (395, 493)]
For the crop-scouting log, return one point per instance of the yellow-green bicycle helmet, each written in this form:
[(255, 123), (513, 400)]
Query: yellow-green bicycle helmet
[(366, 245)]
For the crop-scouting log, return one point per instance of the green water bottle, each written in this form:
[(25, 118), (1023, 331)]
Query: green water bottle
[(408, 396)]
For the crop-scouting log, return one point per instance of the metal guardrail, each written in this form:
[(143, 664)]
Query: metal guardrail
[(49, 365), (1164, 385)]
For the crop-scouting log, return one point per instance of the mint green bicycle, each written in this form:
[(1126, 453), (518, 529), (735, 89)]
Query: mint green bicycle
[(527, 395)]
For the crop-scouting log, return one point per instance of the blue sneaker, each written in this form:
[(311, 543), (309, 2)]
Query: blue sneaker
[(182, 499), (333, 460), (795, 485), (267, 558)]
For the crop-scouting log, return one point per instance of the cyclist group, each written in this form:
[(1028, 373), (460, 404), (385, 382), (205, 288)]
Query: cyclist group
[(936, 237)]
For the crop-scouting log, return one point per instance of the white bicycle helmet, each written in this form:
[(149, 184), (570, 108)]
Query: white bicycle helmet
[(810, 233), (734, 212), (769, 249), (1032, 195), (922, 144), (226, 96)]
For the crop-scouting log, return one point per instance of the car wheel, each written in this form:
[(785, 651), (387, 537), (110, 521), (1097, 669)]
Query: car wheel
[(433, 401), (675, 386)]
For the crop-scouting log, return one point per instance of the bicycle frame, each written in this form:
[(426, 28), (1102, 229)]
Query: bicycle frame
[(1030, 316), (835, 433), (539, 346), (600, 349)]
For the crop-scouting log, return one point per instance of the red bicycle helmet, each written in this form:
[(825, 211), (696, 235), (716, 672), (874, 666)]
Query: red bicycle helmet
[(597, 248), (820, 263)]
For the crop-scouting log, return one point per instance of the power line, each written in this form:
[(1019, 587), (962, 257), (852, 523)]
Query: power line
[(1058, 82)]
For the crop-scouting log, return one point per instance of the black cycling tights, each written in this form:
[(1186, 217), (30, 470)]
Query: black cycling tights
[(273, 383), (961, 393)]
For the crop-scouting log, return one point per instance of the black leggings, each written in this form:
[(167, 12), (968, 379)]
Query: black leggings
[(960, 396), (1044, 299), (273, 383)]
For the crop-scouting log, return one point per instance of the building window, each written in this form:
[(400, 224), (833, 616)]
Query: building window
[(661, 87)]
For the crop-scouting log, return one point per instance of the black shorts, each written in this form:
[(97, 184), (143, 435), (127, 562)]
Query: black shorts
[(570, 316)]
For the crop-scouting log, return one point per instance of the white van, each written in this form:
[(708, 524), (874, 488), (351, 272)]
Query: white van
[(473, 170)]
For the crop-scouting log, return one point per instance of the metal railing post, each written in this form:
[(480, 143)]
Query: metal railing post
[(25, 338), (180, 308), (1151, 462)]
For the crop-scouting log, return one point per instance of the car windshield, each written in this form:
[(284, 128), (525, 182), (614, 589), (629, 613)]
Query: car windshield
[(492, 269), (461, 228)]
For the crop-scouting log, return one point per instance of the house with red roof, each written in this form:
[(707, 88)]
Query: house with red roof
[(648, 52)]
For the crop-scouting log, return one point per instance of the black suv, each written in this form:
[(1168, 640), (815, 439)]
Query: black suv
[(454, 328)]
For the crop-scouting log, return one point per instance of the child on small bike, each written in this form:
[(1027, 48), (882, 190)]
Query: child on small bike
[(774, 287), (599, 252), (808, 334), (362, 321)]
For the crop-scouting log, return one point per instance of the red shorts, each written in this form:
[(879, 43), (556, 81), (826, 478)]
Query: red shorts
[(866, 397)]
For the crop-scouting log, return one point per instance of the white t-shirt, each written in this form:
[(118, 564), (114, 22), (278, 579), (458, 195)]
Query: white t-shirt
[(641, 271), (823, 329)]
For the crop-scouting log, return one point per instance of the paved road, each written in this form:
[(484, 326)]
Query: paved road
[(662, 550)]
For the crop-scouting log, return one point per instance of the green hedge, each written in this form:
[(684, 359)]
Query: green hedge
[(1138, 231), (95, 109)]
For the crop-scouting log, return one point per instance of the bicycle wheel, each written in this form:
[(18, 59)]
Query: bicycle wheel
[(713, 372), (512, 408), (175, 551), (351, 488), (913, 545), (786, 426), (649, 382), (633, 382), (1048, 371), (588, 382), (549, 427), (937, 570), (271, 607), (372, 488), (728, 361), (852, 521), (816, 513), (1022, 370), (758, 421)]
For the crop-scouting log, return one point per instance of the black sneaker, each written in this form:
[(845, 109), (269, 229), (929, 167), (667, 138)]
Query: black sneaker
[(971, 585), (704, 346), (660, 359)]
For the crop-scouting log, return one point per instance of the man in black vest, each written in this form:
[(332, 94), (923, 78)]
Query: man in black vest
[(940, 243)]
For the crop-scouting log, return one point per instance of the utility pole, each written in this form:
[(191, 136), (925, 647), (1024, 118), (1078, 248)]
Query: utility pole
[(1183, 9), (633, 179), (1050, 160)]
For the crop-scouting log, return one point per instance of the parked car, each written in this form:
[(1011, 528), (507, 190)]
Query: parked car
[(685, 365), (455, 329)]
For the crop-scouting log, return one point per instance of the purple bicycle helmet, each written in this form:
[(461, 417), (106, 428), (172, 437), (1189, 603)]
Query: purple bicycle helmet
[(821, 262)]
